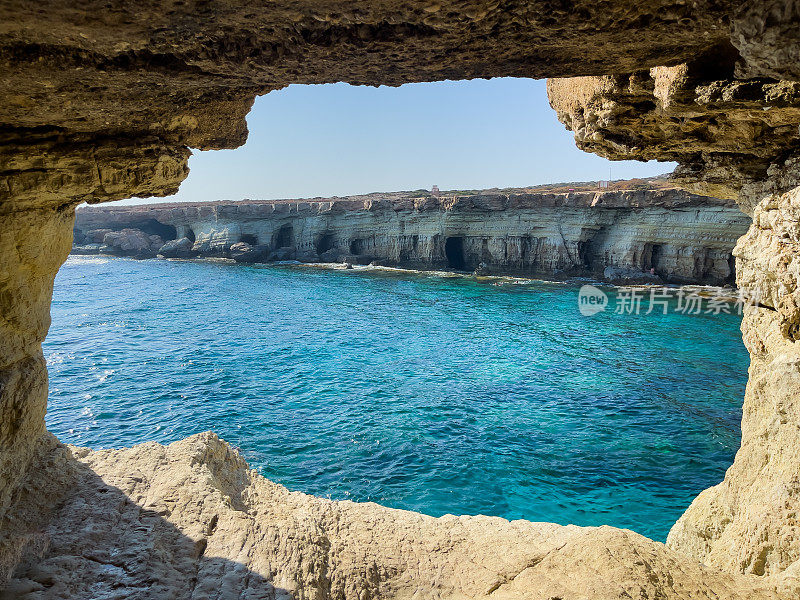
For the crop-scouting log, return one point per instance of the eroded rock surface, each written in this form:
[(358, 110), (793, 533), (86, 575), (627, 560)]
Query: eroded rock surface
[(33, 244), (190, 520), (749, 522), (682, 236), (194, 68), (725, 134)]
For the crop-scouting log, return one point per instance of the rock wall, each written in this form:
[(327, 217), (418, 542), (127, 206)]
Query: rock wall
[(682, 236), (33, 245), (749, 522), (734, 136)]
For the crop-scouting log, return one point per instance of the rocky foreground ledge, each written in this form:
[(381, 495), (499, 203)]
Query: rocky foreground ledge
[(191, 520), (612, 234)]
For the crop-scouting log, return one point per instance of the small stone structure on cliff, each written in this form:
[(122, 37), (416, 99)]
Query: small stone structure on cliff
[(683, 237), (103, 101)]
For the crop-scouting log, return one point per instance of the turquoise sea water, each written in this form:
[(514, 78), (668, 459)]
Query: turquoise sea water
[(417, 391)]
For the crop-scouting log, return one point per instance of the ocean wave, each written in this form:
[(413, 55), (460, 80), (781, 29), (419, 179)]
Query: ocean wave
[(77, 259)]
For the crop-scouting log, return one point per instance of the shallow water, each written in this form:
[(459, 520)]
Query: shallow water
[(429, 393)]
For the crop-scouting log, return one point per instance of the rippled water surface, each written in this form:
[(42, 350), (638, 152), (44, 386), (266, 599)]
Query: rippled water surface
[(436, 394)]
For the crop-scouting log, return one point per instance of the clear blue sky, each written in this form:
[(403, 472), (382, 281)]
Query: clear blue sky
[(329, 140)]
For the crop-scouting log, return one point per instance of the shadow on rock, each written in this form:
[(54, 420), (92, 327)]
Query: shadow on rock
[(76, 536)]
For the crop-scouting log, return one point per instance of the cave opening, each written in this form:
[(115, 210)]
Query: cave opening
[(190, 234), (454, 246), (708, 264), (249, 238), (524, 246), (651, 257), (584, 256), (325, 242), (154, 227), (731, 278), (454, 252), (590, 255), (655, 257), (357, 246), (284, 238)]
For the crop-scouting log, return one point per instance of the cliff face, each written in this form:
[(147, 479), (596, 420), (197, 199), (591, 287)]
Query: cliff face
[(682, 236), (102, 100)]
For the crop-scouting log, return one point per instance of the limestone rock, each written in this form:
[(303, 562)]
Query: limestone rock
[(622, 275), (190, 520), (197, 79), (46, 169), (217, 239), (684, 237), (765, 33), (95, 236), (156, 242), (33, 244), (749, 522), (284, 253), (245, 253), (128, 242), (724, 133), (482, 270), (181, 248), (331, 256)]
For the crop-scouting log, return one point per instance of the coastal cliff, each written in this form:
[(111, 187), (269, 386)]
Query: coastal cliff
[(618, 234)]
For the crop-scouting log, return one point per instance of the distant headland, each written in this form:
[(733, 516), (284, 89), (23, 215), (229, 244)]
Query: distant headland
[(638, 230)]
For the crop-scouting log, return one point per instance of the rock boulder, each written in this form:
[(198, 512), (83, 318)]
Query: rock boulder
[(181, 248), (128, 242), (242, 252)]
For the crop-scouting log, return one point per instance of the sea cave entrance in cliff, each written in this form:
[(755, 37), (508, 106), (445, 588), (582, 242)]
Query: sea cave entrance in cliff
[(284, 238), (326, 242), (652, 257), (454, 252), (154, 227), (357, 246), (731, 279)]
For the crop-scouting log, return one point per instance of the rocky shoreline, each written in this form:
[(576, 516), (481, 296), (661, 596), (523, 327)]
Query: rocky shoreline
[(621, 235)]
